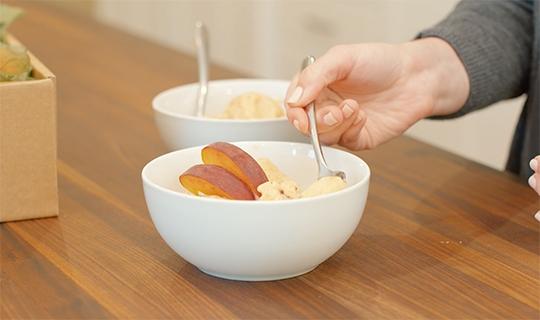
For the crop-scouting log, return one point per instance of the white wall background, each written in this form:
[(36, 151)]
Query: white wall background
[(269, 38)]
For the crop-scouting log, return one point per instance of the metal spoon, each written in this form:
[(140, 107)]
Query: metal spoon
[(324, 171), (201, 42)]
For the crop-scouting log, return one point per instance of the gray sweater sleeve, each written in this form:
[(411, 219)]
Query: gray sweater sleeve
[(493, 39)]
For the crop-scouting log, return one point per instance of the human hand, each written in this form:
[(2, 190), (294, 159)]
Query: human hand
[(534, 180), (367, 94)]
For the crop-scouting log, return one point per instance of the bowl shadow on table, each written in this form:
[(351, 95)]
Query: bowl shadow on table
[(270, 298), (362, 270), (347, 276)]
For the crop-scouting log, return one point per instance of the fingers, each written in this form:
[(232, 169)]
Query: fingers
[(355, 137), (308, 85), (328, 118), (332, 66), (292, 86), (341, 124), (535, 164), (332, 134), (534, 180), (297, 116)]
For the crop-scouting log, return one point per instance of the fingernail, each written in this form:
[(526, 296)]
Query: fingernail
[(532, 182), (296, 95), (296, 124), (358, 119), (329, 119), (347, 111), (534, 165), (537, 216)]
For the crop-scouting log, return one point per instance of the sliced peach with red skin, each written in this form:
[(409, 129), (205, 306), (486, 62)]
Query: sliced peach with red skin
[(214, 180), (237, 161)]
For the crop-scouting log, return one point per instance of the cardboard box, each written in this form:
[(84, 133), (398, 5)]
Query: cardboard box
[(28, 177)]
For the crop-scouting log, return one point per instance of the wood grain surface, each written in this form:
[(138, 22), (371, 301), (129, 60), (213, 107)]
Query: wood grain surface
[(441, 237)]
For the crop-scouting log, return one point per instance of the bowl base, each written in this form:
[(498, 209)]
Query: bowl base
[(272, 277)]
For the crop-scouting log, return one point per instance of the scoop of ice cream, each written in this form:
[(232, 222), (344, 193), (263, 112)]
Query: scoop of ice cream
[(271, 170), (279, 186), (279, 190), (252, 105), (323, 186)]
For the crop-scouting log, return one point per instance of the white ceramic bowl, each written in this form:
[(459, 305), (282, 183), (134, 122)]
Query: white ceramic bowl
[(256, 240), (174, 111)]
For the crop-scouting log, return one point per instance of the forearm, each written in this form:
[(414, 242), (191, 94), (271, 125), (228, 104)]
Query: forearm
[(493, 39), (433, 64)]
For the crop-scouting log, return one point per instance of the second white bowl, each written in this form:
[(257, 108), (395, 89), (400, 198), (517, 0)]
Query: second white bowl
[(174, 111)]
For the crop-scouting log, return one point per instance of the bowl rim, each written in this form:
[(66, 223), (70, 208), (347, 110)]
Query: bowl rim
[(349, 188), (157, 108)]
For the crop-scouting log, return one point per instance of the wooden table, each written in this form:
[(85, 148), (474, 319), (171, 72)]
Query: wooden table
[(442, 237)]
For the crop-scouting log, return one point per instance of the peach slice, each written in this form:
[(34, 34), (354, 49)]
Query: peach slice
[(237, 161), (214, 180)]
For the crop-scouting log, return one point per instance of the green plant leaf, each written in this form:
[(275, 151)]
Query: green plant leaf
[(8, 14)]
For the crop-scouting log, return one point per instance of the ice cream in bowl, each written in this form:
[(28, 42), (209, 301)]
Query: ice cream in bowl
[(254, 210), (236, 110)]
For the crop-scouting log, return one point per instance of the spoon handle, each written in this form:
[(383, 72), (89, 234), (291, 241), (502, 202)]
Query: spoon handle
[(201, 42), (313, 132)]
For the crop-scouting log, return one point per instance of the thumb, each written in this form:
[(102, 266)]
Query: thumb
[(333, 66)]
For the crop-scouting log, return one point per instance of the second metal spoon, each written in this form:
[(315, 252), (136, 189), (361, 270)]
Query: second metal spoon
[(201, 42)]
